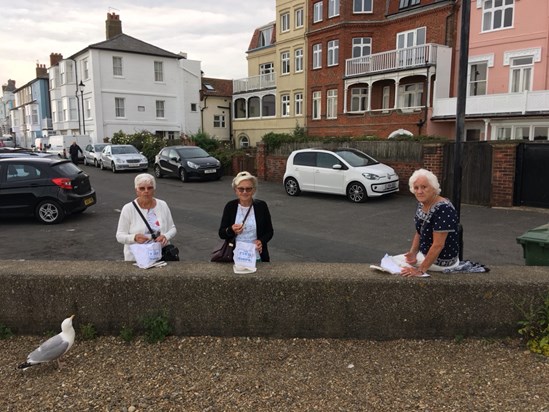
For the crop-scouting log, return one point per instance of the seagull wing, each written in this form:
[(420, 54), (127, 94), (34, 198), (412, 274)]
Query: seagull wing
[(51, 349)]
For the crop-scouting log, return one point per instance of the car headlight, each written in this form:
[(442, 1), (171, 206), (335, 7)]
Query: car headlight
[(118, 160), (192, 165), (371, 176)]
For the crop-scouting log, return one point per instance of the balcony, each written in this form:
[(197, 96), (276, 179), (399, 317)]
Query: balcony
[(401, 59), (248, 84), (495, 104)]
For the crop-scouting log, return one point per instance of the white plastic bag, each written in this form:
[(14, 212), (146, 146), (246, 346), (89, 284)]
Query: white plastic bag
[(146, 253), (244, 255)]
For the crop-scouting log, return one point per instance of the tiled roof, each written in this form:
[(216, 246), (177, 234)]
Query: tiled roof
[(219, 87), (128, 44)]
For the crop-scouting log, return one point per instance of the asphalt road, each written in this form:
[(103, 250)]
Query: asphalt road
[(311, 227)]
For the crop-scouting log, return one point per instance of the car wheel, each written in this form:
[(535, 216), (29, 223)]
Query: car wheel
[(95, 163), (101, 165), (183, 175), (356, 192), (113, 168), (85, 161), (49, 212), (292, 187), (157, 172)]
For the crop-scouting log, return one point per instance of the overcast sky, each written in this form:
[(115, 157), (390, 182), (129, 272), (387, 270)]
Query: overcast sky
[(215, 32)]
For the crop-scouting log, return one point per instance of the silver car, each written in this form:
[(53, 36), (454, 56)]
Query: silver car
[(92, 153), (119, 157)]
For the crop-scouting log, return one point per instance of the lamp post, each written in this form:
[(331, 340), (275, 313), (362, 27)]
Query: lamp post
[(82, 85)]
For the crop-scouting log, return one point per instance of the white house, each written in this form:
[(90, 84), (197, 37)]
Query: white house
[(124, 84)]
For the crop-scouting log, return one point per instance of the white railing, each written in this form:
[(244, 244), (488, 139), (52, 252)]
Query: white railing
[(392, 60), (527, 102), (263, 81)]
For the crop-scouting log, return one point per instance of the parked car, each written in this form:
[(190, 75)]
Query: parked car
[(122, 157), (7, 141), (22, 152), (342, 171), (186, 162), (47, 188), (92, 153)]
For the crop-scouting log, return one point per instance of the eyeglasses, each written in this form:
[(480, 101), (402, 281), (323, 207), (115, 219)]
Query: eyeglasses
[(245, 189), (142, 189)]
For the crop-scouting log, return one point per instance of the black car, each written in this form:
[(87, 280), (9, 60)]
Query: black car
[(187, 162), (47, 188)]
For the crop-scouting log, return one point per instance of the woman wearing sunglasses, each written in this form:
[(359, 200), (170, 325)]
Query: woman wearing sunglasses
[(257, 227), (131, 226)]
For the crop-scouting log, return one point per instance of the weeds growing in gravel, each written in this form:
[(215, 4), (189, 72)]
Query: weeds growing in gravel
[(126, 334), (5, 332), (535, 328), (157, 327), (88, 331)]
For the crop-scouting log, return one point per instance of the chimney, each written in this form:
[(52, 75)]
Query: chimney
[(10, 87), (113, 25), (55, 58), (41, 71)]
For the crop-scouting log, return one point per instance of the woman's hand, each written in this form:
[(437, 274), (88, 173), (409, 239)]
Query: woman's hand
[(259, 245), (411, 258), (162, 239), (413, 271), (141, 238), (237, 228)]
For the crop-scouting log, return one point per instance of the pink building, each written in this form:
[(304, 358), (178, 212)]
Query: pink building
[(508, 74)]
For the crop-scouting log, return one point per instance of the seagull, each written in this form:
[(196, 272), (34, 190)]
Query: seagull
[(53, 348)]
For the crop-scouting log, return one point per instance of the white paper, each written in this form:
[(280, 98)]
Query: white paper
[(390, 266), (244, 255), (146, 253)]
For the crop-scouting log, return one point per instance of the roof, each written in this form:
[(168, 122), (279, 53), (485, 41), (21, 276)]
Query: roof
[(217, 87), (124, 43)]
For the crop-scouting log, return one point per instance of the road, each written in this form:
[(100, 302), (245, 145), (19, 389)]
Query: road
[(311, 227)]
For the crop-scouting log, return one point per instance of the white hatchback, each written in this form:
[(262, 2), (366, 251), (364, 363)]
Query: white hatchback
[(343, 171)]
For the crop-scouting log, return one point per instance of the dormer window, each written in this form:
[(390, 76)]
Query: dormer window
[(265, 37)]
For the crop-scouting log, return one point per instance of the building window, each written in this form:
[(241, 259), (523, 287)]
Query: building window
[(317, 12), (219, 120), (85, 69), (521, 74), (160, 109), (285, 105), (268, 107), (87, 105), (34, 115), (285, 22), (254, 106), (266, 70), (119, 107), (285, 62), (407, 3), (298, 60), (194, 107), (362, 46), (316, 105), (317, 56), (240, 109), (299, 19), (117, 66), (497, 14), (408, 54), (73, 111), (359, 99), (331, 104), (410, 95), (298, 104), (333, 52), (62, 76), (362, 6), (243, 142), (477, 78), (333, 8), (265, 36), (158, 71), (60, 111), (386, 98)]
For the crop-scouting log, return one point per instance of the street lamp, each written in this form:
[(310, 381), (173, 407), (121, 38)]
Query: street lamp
[(82, 85)]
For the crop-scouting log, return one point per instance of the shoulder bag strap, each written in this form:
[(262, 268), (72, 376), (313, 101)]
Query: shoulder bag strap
[(144, 220), (247, 213)]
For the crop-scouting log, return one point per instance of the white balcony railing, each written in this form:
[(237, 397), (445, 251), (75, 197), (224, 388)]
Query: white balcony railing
[(400, 59), (492, 104), (263, 81)]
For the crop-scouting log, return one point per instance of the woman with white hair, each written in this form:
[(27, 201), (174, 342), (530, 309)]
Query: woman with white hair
[(435, 245), (131, 226), (257, 227)]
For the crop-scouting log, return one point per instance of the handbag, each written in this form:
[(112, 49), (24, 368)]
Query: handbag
[(225, 251), (170, 253)]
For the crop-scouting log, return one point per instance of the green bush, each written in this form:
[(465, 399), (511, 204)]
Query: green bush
[(126, 333), (535, 328), (206, 142), (5, 332), (157, 327), (88, 331)]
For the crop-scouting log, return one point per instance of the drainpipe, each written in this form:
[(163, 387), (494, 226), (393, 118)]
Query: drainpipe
[(422, 122), (76, 94)]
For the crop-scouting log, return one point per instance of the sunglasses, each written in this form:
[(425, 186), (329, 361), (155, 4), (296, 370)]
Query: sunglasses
[(142, 189), (245, 189)]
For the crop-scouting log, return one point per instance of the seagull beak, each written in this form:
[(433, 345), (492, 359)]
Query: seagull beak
[(72, 316)]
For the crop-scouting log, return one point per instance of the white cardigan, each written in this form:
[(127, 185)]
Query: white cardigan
[(130, 224)]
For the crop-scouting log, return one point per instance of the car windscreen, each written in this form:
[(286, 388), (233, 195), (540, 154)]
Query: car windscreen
[(192, 152), (356, 158), (124, 150), (99, 147)]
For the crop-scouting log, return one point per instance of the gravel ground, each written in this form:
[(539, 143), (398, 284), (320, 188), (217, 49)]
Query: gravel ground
[(258, 374)]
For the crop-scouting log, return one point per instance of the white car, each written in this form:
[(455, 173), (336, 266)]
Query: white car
[(119, 157), (342, 171), (92, 154)]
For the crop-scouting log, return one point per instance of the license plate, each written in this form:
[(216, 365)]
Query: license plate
[(209, 171), (391, 185), (88, 201)]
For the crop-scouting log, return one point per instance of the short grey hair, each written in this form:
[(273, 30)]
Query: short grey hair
[(144, 178), (430, 176), (244, 176)]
